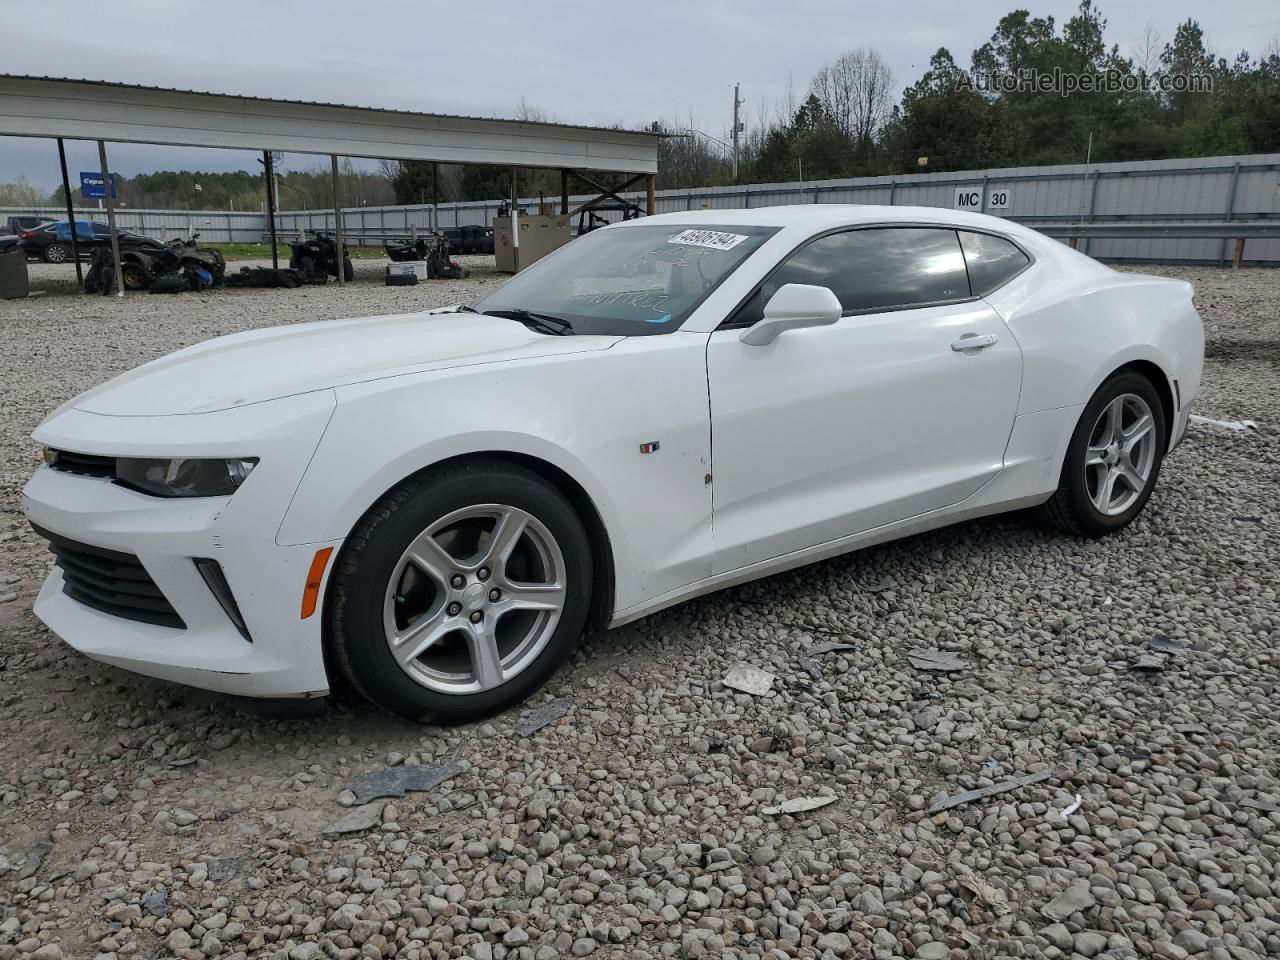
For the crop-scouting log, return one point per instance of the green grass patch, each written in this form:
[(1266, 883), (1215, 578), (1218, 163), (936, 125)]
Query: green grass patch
[(262, 251)]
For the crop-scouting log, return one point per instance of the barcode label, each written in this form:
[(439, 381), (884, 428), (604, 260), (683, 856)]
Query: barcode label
[(708, 238)]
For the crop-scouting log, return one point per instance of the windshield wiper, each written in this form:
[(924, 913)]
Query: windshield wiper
[(541, 322)]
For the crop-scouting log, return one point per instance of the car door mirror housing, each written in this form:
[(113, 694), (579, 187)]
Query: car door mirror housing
[(795, 305)]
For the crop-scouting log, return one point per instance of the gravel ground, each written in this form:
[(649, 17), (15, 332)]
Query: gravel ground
[(140, 819)]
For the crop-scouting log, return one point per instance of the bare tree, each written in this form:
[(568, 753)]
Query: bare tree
[(20, 193), (390, 170), (688, 156), (1147, 49), (531, 114), (1272, 49), (856, 90)]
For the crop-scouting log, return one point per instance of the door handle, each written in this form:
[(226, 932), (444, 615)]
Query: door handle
[(973, 341)]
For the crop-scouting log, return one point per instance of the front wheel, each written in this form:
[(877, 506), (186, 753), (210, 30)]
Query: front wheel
[(460, 592), (1113, 459), (135, 276)]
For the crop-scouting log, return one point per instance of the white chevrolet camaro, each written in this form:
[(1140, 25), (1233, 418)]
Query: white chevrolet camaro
[(435, 506)]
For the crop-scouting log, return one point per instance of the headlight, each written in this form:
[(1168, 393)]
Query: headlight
[(185, 477)]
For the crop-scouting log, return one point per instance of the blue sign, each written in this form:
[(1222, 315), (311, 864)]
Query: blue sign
[(91, 185)]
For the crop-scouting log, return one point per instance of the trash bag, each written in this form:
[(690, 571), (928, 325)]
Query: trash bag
[(285, 277), (454, 271), (312, 271), (101, 276), (170, 283)]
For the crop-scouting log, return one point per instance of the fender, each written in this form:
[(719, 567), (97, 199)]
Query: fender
[(334, 520), (589, 417), (1072, 340)]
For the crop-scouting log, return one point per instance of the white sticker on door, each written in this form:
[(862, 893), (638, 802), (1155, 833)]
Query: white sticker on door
[(708, 238)]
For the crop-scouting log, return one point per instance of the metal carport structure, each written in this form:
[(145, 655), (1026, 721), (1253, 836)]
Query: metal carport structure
[(116, 112)]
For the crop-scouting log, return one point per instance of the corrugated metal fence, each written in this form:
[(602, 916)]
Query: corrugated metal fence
[(215, 226), (1197, 189)]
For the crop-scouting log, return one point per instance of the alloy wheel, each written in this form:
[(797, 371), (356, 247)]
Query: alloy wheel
[(1121, 454), (55, 253), (474, 598)]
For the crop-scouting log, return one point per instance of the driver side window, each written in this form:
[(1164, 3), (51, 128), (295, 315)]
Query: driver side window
[(880, 268)]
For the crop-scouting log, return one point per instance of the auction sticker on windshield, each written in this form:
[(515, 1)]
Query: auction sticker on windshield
[(708, 238)]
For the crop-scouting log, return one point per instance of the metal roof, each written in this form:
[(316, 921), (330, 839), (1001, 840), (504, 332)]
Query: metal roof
[(131, 113)]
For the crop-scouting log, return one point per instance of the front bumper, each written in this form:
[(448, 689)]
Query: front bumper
[(284, 656)]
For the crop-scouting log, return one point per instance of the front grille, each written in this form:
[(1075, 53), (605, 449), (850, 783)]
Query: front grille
[(113, 582), (83, 464)]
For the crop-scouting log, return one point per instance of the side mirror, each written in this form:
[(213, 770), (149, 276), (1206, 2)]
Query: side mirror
[(795, 305)]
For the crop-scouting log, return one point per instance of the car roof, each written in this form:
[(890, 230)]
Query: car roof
[(825, 216)]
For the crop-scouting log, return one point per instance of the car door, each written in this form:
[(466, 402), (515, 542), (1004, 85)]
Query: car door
[(900, 408)]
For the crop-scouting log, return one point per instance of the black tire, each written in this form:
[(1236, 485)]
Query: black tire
[(401, 279), (1071, 508), (56, 253), (369, 560), (348, 271), (135, 275)]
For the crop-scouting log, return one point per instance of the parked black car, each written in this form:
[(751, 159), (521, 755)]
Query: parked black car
[(469, 239), (15, 225), (477, 239), (51, 242)]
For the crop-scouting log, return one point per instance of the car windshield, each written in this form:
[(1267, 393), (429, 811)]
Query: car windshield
[(630, 281)]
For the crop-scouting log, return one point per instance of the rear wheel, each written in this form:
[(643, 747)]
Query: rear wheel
[(461, 592), (56, 253), (1113, 459)]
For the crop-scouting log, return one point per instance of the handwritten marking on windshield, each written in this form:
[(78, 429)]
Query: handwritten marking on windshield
[(638, 300)]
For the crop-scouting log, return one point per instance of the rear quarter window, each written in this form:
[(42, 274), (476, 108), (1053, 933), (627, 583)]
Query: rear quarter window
[(992, 261)]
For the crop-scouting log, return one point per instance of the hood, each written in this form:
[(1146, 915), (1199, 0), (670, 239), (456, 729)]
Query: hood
[(278, 362)]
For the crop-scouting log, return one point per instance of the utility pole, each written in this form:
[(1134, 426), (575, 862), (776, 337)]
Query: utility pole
[(269, 180), (111, 218), (737, 128), (71, 216)]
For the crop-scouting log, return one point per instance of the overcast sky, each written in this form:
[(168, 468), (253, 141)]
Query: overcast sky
[(577, 61)]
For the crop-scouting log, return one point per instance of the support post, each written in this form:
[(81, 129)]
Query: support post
[(1238, 257), (1093, 203), (71, 216), (737, 126), (435, 196), (1229, 213), (269, 171), (564, 193), (337, 217), (515, 220), (111, 218), (650, 194)]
